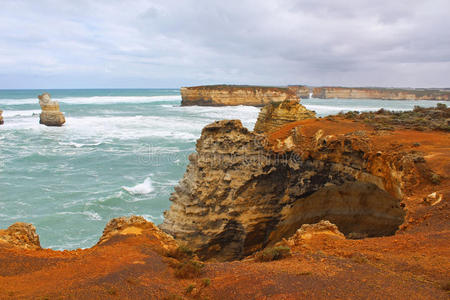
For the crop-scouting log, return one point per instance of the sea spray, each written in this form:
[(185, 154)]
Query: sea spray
[(141, 188)]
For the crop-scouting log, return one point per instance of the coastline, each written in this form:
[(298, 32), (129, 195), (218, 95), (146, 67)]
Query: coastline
[(223, 95), (133, 260)]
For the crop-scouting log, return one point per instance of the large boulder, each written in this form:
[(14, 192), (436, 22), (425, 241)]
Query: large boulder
[(50, 115), (21, 235)]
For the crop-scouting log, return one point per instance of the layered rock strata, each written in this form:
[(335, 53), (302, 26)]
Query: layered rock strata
[(275, 115), (243, 190), (379, 93), (50, 115), (224, 95)]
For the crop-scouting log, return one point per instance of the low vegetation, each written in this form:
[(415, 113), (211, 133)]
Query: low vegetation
[(420, 118), (275, 253)]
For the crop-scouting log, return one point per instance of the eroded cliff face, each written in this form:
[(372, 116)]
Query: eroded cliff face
[(243, 190), (275, 115), (223, 95), (379, 93)]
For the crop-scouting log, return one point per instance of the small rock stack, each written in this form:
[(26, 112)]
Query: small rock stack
[(1, 117), (50, 115), (277, 114)]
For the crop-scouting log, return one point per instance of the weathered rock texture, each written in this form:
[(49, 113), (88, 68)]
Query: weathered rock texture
[(1, 117), (21, 235), (242, 191), (308, 231), (222, 95), (50, 115), (275, 115), (135, 225), (380, 93)]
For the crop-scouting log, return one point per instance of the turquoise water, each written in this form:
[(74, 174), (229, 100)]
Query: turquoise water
[(121, 152)]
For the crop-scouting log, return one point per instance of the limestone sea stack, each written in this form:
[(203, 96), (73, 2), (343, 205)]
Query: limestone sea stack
[(275, 115), (50, 115), (225, 95), (1, 117)]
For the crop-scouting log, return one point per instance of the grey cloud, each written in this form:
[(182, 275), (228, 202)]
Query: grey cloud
[(171, 43)]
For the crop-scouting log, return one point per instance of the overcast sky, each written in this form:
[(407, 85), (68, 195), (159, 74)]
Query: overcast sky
[(173, 43)]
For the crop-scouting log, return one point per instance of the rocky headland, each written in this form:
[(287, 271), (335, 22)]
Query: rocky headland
[(348, 206), (379, 93), (224, 95), (50, 115)]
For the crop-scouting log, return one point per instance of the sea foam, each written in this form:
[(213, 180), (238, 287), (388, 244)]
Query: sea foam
[(141, 188)]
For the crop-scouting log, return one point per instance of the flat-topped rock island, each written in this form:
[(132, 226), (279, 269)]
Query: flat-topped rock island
[(229, 95)]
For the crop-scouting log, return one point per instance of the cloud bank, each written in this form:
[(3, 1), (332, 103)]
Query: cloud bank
[(140, 43)]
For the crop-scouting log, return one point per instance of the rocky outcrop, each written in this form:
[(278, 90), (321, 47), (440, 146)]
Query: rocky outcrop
[(308, 231), (275, 115), (1, 117), (135, 225), (242, 191), (380, 93), (50, 115), (21, 235), (223, 95)]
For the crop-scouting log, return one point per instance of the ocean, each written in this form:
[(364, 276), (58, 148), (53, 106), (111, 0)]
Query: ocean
[(121, 152)]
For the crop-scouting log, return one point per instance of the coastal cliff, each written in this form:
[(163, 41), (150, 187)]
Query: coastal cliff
[(379, 93), (244, 190), (224, 95)]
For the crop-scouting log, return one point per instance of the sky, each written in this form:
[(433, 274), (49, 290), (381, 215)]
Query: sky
[(174, 43)]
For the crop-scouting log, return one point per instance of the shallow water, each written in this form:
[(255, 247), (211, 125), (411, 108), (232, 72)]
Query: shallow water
[(121, 152)]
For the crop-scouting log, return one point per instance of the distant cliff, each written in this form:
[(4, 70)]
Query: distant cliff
[(379, 93), (224, 95), (229, 95)]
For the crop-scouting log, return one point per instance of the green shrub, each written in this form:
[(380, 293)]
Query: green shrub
[(275, 253)]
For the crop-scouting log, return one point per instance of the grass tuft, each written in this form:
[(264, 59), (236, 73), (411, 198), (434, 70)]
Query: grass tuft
[(275, 253)]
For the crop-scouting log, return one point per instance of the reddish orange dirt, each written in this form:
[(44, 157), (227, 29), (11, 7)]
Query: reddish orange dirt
[(412, 264)]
